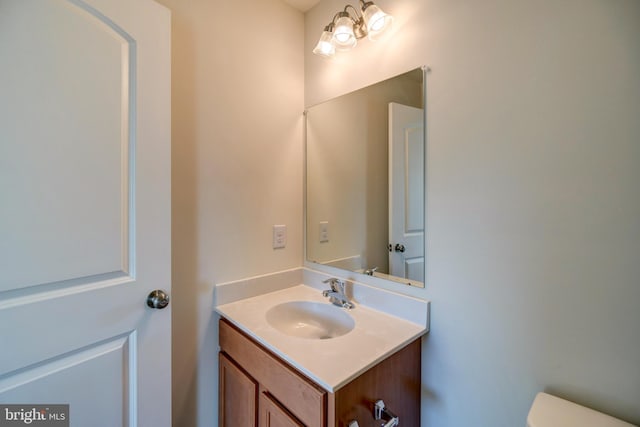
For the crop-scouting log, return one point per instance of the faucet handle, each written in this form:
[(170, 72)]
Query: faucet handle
[(336, 284), (370, 271)]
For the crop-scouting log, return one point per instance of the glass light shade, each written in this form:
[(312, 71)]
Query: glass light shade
[(325, 46), (376, 20), (343, 36)]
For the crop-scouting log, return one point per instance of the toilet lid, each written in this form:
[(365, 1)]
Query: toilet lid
[(551, 411)]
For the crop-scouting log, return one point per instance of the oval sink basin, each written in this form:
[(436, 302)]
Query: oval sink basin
[(313, 320)]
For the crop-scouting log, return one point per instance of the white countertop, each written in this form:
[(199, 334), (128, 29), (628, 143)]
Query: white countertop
[(331, 363)]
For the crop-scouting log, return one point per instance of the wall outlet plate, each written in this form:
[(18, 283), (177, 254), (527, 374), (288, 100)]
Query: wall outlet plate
[(279, 236), (324, 231)]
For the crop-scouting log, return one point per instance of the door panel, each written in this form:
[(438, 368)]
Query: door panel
[(65, 118), (85, 213), (74, 376), (406, 191)]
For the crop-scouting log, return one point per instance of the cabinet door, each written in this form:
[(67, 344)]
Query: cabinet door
[(272, 414), (396, 380), (238, 396)]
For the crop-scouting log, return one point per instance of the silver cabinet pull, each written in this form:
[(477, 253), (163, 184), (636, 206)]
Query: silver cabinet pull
[(381, 412)]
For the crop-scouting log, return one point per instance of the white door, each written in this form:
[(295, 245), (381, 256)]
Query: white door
[(85, 208), (406, 192)]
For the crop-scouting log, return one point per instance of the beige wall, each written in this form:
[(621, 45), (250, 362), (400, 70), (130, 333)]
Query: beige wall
[(533, 212), (237, 169)]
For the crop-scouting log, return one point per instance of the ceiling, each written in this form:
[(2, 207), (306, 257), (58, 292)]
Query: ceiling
[(302, 5)]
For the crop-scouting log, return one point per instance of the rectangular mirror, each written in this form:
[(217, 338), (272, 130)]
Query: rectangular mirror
[(365, 180)]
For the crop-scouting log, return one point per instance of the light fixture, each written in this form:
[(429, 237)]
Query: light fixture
[(325, 46), (345, 29), (376, 21), (343, 36)]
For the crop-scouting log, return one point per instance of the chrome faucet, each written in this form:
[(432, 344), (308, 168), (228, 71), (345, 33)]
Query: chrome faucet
[(337, 295), (370, 271)]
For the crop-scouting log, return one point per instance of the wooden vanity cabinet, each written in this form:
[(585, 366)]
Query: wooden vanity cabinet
[(246, 404), (258, 389), (281, 396)]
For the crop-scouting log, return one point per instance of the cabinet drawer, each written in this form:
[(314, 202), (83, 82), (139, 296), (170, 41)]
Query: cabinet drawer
[(305, 400)]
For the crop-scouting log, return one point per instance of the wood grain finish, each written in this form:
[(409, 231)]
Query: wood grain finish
[(288, 399), (238, 394), (304, 399), (273, 414), (396, 380)]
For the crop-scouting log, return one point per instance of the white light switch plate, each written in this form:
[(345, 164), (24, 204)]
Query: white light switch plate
[(279, 236)]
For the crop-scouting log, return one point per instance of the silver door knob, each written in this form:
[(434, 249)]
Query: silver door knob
[(158, 299), (399, 247)]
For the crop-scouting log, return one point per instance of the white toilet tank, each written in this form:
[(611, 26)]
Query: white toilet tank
[(551, 411)]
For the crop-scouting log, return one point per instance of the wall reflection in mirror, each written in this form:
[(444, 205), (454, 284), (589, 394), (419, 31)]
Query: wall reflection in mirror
[(365, 180)]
